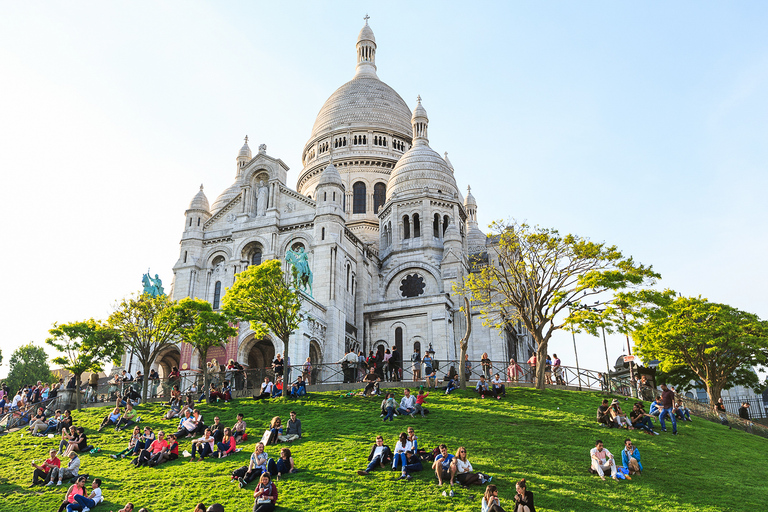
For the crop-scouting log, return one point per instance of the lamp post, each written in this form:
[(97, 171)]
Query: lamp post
[(576, 353)]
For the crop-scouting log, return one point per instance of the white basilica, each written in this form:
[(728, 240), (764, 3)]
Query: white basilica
[(385, 226)]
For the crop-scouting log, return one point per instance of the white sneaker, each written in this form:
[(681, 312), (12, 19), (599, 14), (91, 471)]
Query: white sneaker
[(58, 483), (86, 509), (49, 483)]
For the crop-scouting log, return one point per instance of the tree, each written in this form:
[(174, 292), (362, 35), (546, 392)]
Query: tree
[(262, 296), (534, 274), (464, 343), (203, 328), (28, 364), (86, 346), (694, 338), (147, 325)]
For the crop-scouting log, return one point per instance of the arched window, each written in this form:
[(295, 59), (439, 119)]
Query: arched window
[(190, 222), (358, 197), (256, 257), (185, 256), (416, 226), (406, 227), (445, 223), (322, 234), (436, 226), (417, 347), (349, 272), (325, 196), (198, 221), (379, 196), (399, 336), (217, 295)]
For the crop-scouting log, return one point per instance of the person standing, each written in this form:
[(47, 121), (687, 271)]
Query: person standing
[(744, 411), (395, 364), (668, 401), (558, 370), (416, 365)]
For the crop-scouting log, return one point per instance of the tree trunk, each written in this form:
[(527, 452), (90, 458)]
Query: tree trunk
[(204, 368), (286, 370), (541, 360), (463, 344), (145, 386), (713, 392), (77, 391)]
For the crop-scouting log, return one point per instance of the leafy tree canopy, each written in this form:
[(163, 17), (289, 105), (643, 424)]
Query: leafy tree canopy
[(203, 328), (261, 295), (28, 364), (147, 325), (693, 338), (533, 274), (85, 346)]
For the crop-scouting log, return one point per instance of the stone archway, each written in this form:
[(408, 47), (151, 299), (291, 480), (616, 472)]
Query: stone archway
[(260, 354), (166, 360)]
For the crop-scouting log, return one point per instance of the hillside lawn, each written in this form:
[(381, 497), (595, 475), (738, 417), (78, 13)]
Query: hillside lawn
[(544, 437)]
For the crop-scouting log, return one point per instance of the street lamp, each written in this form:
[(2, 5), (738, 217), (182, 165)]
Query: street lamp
[(575, 352)]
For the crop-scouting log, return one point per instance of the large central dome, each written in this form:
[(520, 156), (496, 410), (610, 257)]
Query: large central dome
[(364, 102)]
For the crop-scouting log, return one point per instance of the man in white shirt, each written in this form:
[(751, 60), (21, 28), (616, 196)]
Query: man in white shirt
[(379, 456), (266, 390), (87, 503), (602, 459), (407, 404), (497, 387), (16, 400), (348, 364), (187, 425)]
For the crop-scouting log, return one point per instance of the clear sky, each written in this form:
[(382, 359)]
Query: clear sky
[(642, 124)]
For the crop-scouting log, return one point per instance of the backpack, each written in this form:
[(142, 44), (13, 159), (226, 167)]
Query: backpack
[(240, 472)]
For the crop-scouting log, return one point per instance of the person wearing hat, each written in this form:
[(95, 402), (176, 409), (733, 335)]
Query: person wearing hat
[(618, 416)]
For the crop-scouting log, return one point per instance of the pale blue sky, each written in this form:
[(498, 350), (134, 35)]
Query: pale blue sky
[(639, 124)]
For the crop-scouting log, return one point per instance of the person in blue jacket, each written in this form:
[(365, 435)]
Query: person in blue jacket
[(630, 458)]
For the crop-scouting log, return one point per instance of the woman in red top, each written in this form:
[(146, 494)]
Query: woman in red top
[(169, 453), (265, 494), (227, 444), (156, 447), (77, 488)]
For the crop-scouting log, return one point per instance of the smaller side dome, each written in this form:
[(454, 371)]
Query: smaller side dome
[(245, 151), (225, 197), (470, 199), (330, 176), (366, 33), (199, 202)]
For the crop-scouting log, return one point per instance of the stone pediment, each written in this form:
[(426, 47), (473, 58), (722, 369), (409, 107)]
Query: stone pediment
[(291, 202), (224, 218)]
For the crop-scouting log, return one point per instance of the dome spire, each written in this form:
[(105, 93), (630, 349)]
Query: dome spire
[(366, 51), (419, 121)]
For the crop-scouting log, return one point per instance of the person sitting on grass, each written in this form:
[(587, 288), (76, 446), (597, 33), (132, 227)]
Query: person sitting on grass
[(298, 388), (111, 419), (200, 507), (640, 419), (293, 430), (38, 421), (464, 472), (130, 417), (227, 444), (630, 458), (40, 474), (58, 475), (379, 457), (431, 378), (276, 427), (482, 388), (618, 416), (226, 390), (238, 430), (256, 466), (147, 437), (412, 465), (602, 459), (169, 453), (266, 390), (497, 387), (523, 498), (277, 389), (603, 415), (444, 469), (204, 445), (265, 494), (132, 442), (403, 445), (284, 464), (490, 501), (78, 444), (371, 380), (407, 404), (78, 488), (156, 447), (128, 508), (67, 435), (656, 407), (86, 503), (217, 429), (420, 397), (50, 426), (453, 385), (187, 425), (388, 407), (175, 409), (682, 412)]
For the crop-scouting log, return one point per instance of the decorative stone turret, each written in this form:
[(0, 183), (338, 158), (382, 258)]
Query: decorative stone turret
[(329, 194), (475, 238), (198, 212), (366, 52), (243, 157)]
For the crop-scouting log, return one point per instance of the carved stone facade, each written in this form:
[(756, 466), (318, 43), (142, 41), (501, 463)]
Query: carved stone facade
[(381, 217)]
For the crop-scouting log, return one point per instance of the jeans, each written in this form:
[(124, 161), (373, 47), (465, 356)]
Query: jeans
[(301, 391), (375, 463), (668, 411), (80, 503), (645, 423), (203, 448), (450, 387), (414, 466), (390, 414), (403, 412), (399, 460)]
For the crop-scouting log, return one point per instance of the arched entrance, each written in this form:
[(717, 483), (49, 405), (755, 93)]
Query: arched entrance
[(166, 360), (261, 354)]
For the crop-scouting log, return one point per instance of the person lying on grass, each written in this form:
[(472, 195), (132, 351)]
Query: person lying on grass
[(227, 446), (78, 488), (380, 456), (444, 470), (111, 419), (40, 474), (293, 430), (132, 442), (86, 503), (265, 494), (171, 452), (127, 508), (256, 466), (204, 445), (630, 458), (602, 459)]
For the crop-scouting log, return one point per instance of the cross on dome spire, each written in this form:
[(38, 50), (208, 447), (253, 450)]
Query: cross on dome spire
[(418, 98), (246, 139), (366, 18), (366, 51)]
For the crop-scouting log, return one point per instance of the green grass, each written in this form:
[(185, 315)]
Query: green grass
[(542, 436)]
